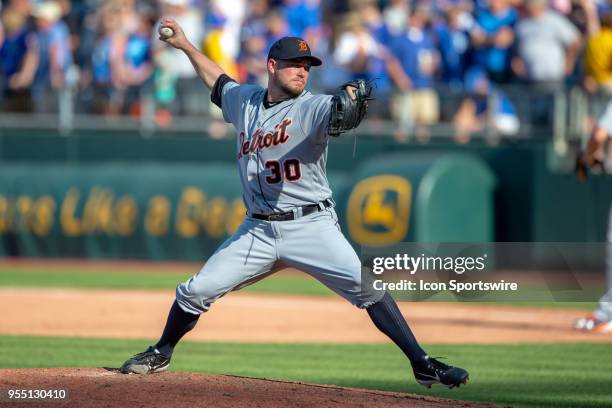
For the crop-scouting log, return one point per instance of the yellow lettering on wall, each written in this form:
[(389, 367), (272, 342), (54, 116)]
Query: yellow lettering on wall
[(235, 216), (70, 224), (157, 219), (190, 212), (98, 212), (126, 216), (5, 217), (215, 217), (26, 214), (42, 217), (88, 224)]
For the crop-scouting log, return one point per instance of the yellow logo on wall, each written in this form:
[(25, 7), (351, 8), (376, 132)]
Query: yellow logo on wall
[(378, 210)]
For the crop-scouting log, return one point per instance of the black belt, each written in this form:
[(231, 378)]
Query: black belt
[(290, 215)]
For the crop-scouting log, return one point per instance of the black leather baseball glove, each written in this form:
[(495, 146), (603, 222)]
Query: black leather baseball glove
[(348, 111)]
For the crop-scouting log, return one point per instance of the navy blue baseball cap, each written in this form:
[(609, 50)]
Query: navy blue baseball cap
[(288, 48)]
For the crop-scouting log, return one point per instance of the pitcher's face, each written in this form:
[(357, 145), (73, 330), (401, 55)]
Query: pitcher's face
[(290, 76)]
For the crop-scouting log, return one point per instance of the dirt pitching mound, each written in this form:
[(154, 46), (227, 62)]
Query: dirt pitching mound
[(97, 387)]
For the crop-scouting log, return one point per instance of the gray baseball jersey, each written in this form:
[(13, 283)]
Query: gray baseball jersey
[(281, 152)]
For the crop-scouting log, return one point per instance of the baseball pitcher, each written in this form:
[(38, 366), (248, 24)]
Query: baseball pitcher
[(282, 133)]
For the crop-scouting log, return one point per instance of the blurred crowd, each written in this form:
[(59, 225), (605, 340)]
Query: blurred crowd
[(420, 54)]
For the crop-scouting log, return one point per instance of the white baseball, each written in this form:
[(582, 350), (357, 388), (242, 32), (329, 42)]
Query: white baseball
[(166, 32)]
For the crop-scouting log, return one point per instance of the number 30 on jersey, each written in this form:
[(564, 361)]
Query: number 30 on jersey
[(290, 168)]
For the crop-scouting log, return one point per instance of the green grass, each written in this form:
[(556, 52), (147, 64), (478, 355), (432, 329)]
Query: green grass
[(139, 279), (528, 375), (129, 279)]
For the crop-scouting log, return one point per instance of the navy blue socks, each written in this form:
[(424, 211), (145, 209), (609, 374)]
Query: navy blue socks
[(387, 317), (385, 314), (178, 324)]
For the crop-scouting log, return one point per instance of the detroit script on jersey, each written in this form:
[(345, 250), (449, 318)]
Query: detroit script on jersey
[(259, 141)]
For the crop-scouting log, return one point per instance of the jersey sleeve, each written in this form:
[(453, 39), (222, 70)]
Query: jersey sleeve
[(216, 92), (314, 115), (235, 99)]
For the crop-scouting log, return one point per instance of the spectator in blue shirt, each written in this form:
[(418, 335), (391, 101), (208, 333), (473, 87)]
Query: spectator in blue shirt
[(52, 40), (18, 62), (415, 50), (106, 64), (453, 41), (374, 23), (493, 38), (14, 47), (136, 67)]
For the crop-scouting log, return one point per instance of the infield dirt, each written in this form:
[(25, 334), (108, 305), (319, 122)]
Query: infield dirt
[(248, 317)]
